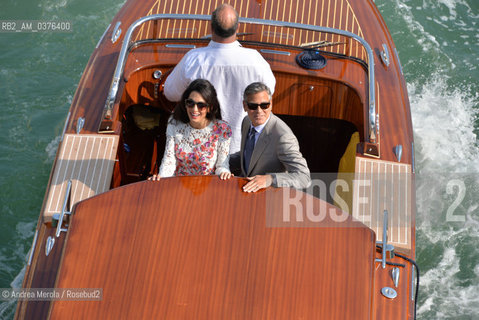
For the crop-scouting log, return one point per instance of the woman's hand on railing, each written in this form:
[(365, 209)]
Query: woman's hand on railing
[(226, 175), (155, 177)]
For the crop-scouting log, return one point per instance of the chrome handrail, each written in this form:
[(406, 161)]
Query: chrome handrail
[(126, 41)]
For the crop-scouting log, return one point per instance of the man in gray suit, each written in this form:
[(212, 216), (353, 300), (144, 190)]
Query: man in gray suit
[(269, 152)]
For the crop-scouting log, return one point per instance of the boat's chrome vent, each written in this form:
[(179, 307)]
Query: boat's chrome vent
[(395, 275), (398, 152), (311, 59), (116, 32), (49, 245), (80, 124), (384, 54)]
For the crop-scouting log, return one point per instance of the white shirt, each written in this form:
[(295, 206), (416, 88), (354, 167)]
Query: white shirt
[(230, 68)]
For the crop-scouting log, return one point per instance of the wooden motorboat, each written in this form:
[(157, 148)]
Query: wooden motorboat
[(200, 248)]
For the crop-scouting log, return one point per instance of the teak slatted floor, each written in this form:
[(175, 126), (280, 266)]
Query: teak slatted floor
[(384, 185), (85, 159)]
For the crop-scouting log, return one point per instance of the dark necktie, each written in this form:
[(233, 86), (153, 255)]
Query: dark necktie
[(248, 148)]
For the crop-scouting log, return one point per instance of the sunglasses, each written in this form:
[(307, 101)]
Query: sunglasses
[(190, 103), (254, 106)]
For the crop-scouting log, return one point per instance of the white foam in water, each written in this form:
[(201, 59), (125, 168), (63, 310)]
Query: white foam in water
[(446, 149), (447, 298), (52, 147), (50, 5), (452, 5), (443, 121)]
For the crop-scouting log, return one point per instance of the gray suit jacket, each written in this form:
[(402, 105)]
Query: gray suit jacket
[(276, 152)]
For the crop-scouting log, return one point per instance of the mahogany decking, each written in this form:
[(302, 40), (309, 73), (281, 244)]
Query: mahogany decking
[(193, 248)]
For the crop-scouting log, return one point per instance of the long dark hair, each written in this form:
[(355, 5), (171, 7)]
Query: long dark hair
[(208, 92)]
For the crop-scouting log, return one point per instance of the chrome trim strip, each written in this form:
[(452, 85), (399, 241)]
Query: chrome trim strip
[(181, 46), (284, 53), (65, 125), (32, 251), (412, 282), (102, 36), (399, 62), (413, 158), (124, 52)]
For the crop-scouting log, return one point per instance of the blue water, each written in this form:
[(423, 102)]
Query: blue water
[(438, 44)]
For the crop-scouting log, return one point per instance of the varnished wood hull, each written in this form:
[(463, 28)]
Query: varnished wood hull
[(198, 247), (210, 255)]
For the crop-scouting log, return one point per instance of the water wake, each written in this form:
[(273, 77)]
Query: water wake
[(447, 169)]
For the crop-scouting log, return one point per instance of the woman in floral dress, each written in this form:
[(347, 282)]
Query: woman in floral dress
[(197, 140)]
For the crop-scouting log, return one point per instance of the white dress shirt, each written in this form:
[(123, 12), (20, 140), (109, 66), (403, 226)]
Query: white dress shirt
[(230, 68)]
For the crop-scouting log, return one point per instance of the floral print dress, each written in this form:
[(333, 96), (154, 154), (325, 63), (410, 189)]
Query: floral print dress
[(191, 151)]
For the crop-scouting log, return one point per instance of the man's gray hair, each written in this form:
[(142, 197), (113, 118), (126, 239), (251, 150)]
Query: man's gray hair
[(254, 88)]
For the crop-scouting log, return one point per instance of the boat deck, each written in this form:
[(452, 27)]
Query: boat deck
[(384, 185), (195, 248), (85, 159)]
